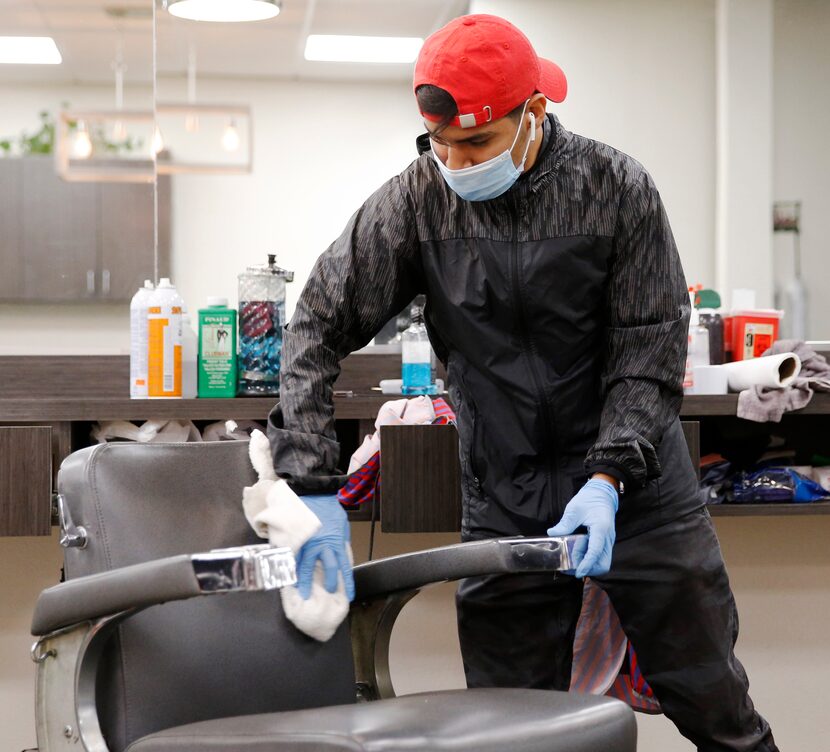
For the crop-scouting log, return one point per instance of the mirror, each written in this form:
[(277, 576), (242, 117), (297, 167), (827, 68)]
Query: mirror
[(75, 240), (725, 103), (801, 118)]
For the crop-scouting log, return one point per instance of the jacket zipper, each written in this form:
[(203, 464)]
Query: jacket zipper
[(530, 351)]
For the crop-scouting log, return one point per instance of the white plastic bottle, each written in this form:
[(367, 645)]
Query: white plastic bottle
[(164, 336), (138, 341), (698, 351), (190, 358)]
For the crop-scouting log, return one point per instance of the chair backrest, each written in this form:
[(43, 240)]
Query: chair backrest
[(205, 658)]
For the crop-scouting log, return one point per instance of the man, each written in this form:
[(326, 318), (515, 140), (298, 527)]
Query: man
[(556, 299)]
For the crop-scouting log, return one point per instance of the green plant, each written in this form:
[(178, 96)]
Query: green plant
[(42, 141)]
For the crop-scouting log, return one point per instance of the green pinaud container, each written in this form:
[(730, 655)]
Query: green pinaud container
[(217, 349)]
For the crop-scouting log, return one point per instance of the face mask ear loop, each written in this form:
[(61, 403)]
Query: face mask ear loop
[(519, 129), (529, 142)]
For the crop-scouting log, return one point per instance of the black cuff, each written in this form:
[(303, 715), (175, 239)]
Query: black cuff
[(315, 484), (616, 470)]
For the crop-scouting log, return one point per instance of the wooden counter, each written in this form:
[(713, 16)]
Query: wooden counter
[(67, 394)]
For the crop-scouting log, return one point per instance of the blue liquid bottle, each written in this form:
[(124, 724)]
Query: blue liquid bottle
[(416, 357)]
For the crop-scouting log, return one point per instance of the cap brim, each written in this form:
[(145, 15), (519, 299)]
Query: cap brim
[(552, 81)]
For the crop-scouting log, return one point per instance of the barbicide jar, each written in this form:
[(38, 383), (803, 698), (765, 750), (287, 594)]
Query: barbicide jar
[(261, 319)]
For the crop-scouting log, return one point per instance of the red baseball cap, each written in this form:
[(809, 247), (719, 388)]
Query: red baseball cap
[(488, 67)]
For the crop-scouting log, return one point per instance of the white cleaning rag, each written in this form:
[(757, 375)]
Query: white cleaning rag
[(402, 412), (275, 512)]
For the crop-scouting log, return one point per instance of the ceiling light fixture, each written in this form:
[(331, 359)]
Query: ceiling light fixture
[(191, 120), (349, 49), (230, 137), (119, 130), (81, 142), (29, 51), (158, 141), (223, 10)]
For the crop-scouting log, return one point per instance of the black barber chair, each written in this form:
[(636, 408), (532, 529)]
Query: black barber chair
[(137, 650)]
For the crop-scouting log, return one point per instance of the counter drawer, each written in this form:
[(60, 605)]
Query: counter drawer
[(25, 480)]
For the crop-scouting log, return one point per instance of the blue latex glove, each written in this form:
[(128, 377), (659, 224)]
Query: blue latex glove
[(594, 506), (328, 546)]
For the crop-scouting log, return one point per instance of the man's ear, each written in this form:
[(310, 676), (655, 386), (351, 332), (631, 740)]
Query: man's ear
[(537, 105)]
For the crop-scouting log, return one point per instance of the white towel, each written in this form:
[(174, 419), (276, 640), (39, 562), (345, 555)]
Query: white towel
[(275, 512), (402, 412)]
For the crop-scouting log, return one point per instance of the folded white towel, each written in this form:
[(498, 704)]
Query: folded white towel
[(275, 512)]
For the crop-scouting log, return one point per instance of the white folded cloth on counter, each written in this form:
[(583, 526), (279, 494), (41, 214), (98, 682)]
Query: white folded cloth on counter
[(149, 432)]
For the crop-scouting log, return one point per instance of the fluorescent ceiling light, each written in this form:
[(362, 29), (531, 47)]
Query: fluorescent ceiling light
[(346, 49), (29, 51), (223, 10)]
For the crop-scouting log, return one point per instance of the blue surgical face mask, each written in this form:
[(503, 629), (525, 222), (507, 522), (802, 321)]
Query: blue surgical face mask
[(489, 179)]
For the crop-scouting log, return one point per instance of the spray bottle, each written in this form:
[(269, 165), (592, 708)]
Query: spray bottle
[(698, 350), (138, 341), (164, 323), (416, 356), (190, 358)]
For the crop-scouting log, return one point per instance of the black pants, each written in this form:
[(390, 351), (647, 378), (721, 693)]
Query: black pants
[(670, 589)]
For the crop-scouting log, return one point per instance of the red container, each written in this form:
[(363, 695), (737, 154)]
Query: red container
[(751, 333)]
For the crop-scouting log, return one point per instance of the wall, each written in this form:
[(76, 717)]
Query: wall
[(743, 242), (640, 78), (801, 111)]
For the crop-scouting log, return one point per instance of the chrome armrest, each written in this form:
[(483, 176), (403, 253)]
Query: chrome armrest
[(385, 586), (130, 589)]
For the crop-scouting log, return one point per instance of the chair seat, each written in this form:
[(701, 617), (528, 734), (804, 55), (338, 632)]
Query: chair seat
[(484, 720)]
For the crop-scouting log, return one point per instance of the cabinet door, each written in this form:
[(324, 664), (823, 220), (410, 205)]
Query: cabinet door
[(11, 254), (421, 489), (126, 226), (59, 234), (25, 480)]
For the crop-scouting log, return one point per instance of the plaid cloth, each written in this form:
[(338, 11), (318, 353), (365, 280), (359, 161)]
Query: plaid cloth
[(364, 483), (604, 661)]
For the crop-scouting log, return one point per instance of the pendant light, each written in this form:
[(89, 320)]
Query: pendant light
[(191, 120), (230, 137), (157, 144), (119, 129), (223, 10), (81, 142)]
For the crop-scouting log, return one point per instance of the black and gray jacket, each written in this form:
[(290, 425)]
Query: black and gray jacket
[(560, 310)]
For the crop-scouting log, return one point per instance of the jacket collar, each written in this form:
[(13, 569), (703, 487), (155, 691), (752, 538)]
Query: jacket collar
[(555, 140)]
